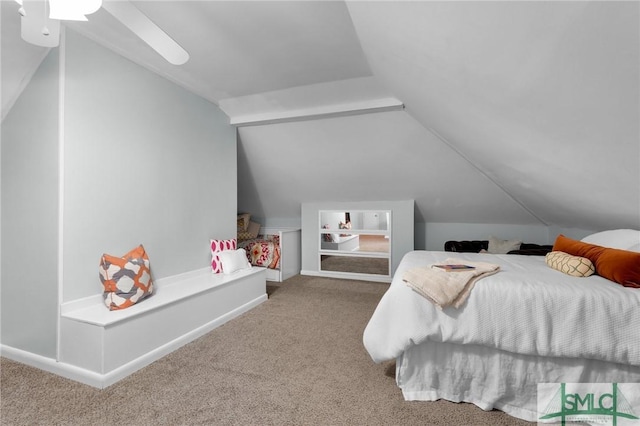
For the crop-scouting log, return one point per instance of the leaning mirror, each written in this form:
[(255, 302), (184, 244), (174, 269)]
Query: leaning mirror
[(355, 241)]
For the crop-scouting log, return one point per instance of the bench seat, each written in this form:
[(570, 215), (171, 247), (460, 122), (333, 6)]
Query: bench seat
[(105, 346)]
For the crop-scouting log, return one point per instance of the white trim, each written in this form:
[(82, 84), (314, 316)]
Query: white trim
[(348, 276), (97, 299), (167, 291), (102, 381), (355, 253), (61, 138), (326, 111), (77, 304), (48, 364)]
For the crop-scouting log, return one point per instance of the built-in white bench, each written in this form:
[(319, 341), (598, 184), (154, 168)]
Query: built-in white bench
[(105, 346)]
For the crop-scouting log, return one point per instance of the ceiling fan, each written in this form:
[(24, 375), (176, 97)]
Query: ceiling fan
[(40, 23)]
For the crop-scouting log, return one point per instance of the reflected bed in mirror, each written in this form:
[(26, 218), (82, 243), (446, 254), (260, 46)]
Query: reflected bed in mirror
[(355, 264)]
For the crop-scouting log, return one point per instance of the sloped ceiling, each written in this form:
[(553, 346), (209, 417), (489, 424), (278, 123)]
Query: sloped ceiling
[(236, 48), (383, 156), (515, 112), (541, 96), (19, 59)]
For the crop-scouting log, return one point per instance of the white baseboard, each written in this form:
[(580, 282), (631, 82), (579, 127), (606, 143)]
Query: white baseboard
[(347, 276), (102, 381), (51, 365)]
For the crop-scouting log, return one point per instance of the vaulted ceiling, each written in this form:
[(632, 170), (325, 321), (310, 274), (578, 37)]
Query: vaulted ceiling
[(514, 112)]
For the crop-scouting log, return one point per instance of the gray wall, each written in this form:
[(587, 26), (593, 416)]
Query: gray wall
[(522, 115), (373, 157), (146, 162), (29, 263), (369, 157), (432, 236)]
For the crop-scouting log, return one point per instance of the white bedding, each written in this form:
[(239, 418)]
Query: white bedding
[(490, 378), (526, 308)]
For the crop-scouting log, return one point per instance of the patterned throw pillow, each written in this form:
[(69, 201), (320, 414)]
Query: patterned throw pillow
[(126, 280), (498, 246), (620, 266), (216, 247), (264, 253), (572, 265), (243, 222), (251, 232)]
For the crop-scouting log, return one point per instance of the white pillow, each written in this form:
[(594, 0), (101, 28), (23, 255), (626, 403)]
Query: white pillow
[(498, 246), (623, 239), (233, 260)]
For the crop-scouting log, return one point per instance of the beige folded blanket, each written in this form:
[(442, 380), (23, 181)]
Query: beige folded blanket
[(447, 288)]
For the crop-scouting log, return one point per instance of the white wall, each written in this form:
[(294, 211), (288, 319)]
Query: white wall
[(29, 261)]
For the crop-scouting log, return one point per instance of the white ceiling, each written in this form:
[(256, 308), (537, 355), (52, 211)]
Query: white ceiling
[(236, 48), (543, 97), (534, 106)]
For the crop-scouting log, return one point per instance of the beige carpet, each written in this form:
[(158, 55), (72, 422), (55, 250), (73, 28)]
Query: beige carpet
[(297, 359)]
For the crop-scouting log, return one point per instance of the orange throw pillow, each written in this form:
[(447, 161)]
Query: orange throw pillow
[(127, 279), (620, 266)]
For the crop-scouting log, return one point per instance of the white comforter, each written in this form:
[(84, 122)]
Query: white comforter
[(526, 308)]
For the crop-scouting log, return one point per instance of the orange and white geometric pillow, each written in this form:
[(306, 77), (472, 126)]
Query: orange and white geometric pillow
[(126, 280), (216, 247), (575, 266)]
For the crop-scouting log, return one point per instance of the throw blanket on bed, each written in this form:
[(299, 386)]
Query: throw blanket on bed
[(445, 288)]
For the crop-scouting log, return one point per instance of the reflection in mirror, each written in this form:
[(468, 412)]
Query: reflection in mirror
[(358, 243), (368, 220), (358, 265), (355, 241)]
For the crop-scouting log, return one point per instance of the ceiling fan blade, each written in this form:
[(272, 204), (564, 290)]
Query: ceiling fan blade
[(35, 25), (147, 30)]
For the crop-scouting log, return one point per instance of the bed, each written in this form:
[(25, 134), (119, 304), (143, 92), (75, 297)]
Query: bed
[(526, 324)]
